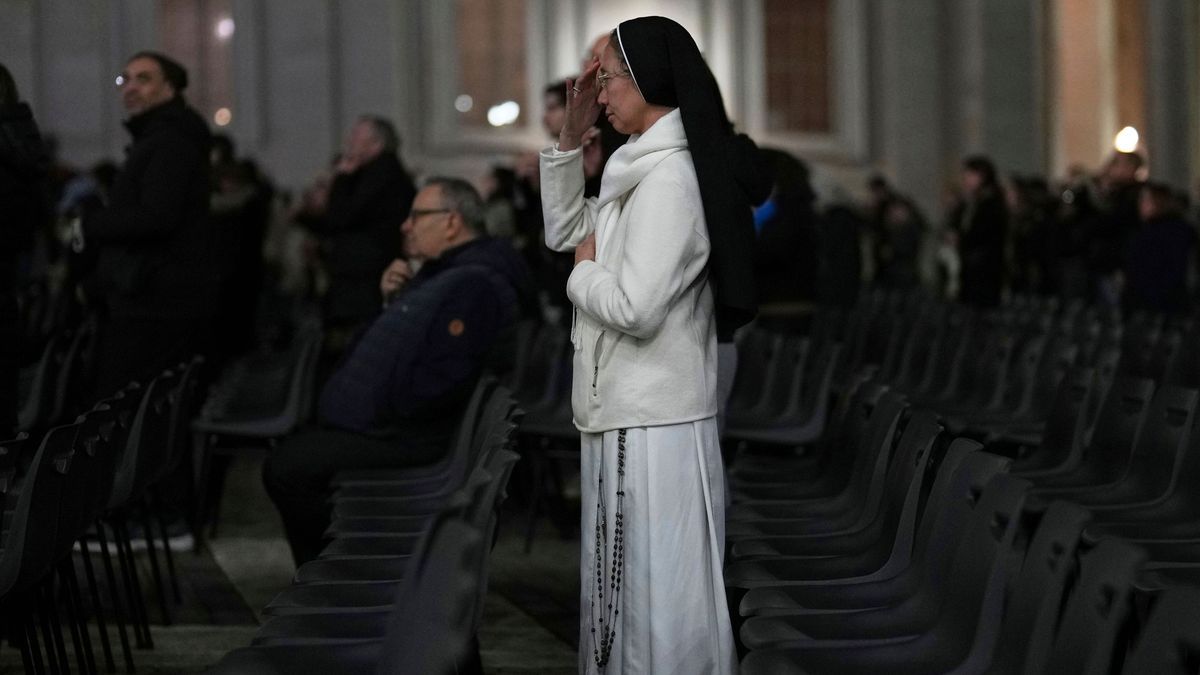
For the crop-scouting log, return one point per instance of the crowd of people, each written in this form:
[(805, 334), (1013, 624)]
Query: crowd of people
[(186, 248)]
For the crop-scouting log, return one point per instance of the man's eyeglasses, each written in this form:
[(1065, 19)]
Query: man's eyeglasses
[(417, 213), (602, 78)]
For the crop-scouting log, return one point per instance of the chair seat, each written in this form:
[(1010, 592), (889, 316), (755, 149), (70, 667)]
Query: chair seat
[(323, 598), (352, 569), (329, 628)]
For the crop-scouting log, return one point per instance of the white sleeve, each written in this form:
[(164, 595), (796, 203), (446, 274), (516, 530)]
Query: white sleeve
[(663, 251), (568, 217)]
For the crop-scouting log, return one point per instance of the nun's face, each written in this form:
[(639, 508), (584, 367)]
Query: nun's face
[(623, 104)]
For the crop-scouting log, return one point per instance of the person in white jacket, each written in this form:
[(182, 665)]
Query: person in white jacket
[(644, 332)]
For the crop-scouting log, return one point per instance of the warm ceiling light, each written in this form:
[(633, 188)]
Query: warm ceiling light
[(1126, 140)]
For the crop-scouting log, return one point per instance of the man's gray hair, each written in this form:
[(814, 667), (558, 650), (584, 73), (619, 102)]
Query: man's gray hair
[(384, 131), (459, 195)]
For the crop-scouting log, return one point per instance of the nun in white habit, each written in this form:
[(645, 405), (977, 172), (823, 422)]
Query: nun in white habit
[(662, 265)]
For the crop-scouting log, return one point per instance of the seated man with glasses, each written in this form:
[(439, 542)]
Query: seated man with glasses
[(396, 398)]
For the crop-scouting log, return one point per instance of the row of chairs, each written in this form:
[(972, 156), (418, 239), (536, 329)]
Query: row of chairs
[(399, 587), (854, 542), (51, 388), (82, 482), (258, 399), (893, 547)]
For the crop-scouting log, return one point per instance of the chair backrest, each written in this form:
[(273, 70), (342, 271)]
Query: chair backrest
[(760, 354), (798, 382), (69, 383), (468, 423), (906, 472), (184, 401), (1036, 596), (843, 445), (947, 512), (39, 399), (32, 509), (1118, 426), (916, 358), (89, 458), (1097, 609), (304, 385), (147, 428), (496, 492), (868, 474), (1169, 643), (963, 344), (814, 406), (522, 346), (430, 631), (972, 594), (1159, 452), (1029, 362), (1063, 435)]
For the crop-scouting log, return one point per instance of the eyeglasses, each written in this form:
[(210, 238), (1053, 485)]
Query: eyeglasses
[(602, 78), (417, 213)]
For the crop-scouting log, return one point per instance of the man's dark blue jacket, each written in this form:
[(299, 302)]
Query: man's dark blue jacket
[(418, 360)]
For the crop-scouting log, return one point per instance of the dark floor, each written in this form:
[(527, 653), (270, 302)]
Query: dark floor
[(530, 615)]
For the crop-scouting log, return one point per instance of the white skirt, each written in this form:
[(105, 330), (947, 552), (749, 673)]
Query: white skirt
[(671, 614)]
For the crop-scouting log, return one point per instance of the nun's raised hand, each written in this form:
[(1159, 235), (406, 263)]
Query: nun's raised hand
[(582, 107)]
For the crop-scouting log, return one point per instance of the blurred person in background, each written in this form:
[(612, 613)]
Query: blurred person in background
[(356, 223), (1160, 257), (155, 278), (979, 219), (22, 213)]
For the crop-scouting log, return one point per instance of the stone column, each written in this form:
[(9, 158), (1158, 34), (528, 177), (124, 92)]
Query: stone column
[(1170, 38)]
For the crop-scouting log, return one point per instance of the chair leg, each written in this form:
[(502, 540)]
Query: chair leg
[(56, 649), (31, 642), (216, 481), (166, 542), (115, 594), (202, 448), (154, 571), (133, 587), (80, 641), (89, 573), (76, 598), (537, 469)]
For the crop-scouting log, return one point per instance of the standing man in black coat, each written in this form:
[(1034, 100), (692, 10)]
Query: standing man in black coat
[(371, 192), (155, 277), (22, 208), (980, 219)]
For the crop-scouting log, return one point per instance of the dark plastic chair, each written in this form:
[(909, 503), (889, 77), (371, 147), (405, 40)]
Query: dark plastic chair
[(1106, 457), (429, 630), (828, 473), (781, 387), (1096, 612), (38, 394), (1060, 445), (787, 584), (803, 420), (1035, 602), (1169, 643), (1155, 462), (933, 630), (253, 404), (860, 494), (877, 530)]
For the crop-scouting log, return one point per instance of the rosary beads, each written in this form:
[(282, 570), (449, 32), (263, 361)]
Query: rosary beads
[(616, 561)]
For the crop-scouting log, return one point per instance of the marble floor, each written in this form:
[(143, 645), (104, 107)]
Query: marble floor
[(530, 612)]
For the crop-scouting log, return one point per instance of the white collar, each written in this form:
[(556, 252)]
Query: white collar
[(632, 161)]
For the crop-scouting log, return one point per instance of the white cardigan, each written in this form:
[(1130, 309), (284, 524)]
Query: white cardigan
[(643, 329)]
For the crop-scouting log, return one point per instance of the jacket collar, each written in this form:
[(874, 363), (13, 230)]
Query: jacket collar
[(139, 124), (632, 161)]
